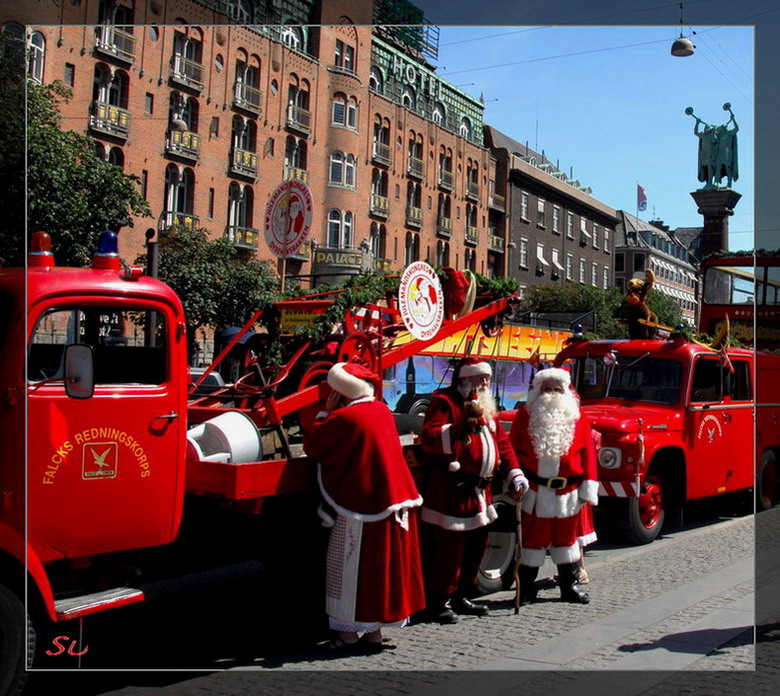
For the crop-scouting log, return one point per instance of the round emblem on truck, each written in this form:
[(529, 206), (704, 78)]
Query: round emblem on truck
[(421, 301), (288, 218)]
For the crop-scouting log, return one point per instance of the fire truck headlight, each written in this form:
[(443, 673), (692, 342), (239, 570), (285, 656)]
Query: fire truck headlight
[(609, 457)]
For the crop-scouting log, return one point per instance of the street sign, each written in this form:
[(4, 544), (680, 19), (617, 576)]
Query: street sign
[(288, 218), (421, 301)]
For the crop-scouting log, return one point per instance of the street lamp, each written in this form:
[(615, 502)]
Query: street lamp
[(682, 47)]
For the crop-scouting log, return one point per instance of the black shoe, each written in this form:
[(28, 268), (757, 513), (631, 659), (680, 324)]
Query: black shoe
[(463, 605), (444, 615), (568, 574)]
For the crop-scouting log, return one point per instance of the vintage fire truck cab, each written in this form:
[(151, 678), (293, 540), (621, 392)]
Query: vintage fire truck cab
[(678, 423)]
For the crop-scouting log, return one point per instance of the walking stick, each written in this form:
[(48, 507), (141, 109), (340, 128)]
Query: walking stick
[(518, 553)]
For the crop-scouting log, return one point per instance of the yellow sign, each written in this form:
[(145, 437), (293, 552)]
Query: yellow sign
[(292, 320)]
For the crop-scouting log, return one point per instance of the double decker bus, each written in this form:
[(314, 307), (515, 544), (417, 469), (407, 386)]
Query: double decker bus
[(746, 287)]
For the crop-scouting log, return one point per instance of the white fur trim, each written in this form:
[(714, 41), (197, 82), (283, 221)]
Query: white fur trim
[(349, 514), (350, 386), (446, 439), (475, 370), (565, 554), (587, 539), (489, 454), (556, 374), (512, 473), (532, 557), (543, 502), (454, 466), (458, 524), (589, 492)]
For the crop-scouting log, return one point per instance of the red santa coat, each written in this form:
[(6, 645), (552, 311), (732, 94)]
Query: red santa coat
[(455, 500), (373, 571)]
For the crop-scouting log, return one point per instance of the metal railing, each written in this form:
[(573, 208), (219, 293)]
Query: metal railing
[(244, 162), (115, 41), (173, 217), (495, 242), (187, 72), (110, 119), (299, 119), (247, 97), (415, 167), (293, 173), (382, 153), (414, 216), (444, 226), (445, 179), (472, 190), (497, 202), (244, 237), (472, 235), (184, 144), (380, 205)]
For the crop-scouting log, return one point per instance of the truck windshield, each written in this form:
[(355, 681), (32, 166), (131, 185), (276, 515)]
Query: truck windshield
[(633, 378), (128, 344)]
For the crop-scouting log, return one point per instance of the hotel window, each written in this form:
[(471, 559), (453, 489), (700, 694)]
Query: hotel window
[(569, 266), (556, 220), (438, 114), (408, 98), (376, 80), (542, 264), (524, 205), (37, 53), (345, 56), (344, 111), (594, 269), (556, 263), (464, 130), (523, 253), (606, 239), (570, 225), (605, 278), (342, 170), (340, 229), (540, 214), (595, 236), (292, 37), (582, 270), (70, 74)]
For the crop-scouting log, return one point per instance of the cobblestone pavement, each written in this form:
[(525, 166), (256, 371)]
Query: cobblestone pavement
[(675, 616)]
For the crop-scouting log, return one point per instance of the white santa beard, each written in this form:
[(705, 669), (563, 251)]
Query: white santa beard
[(552, 420), (487, 402)]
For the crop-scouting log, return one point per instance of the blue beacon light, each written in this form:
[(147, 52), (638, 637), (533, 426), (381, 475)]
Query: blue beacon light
[(107, 255)]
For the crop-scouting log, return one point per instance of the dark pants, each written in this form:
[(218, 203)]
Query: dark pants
[(451, 560)]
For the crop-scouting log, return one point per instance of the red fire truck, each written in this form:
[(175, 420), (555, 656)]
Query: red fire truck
[(120, 445)]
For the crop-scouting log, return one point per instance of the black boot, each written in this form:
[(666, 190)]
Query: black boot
[(463, 605), (568, 574), (527, 577), (440, 609)]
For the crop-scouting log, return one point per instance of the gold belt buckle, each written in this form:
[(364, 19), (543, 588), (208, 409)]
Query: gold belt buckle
[(560, 480)]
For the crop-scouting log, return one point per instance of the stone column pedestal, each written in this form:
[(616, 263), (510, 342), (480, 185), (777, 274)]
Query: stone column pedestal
[(716, 205)]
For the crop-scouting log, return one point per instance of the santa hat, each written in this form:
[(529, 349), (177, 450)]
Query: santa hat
[(471, 367), (352, 380), (552, 374)]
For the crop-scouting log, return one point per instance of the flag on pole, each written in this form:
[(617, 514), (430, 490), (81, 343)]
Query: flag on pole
[(641, 198)]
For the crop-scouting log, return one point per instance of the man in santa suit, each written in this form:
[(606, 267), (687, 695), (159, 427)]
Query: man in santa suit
[(373, 566), (466, 446), (553, 441)]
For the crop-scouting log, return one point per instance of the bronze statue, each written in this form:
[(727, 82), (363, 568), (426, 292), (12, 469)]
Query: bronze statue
[(717, 150)]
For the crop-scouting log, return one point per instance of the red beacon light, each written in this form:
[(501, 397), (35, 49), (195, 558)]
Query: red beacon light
[(107, 255), (40, 255)]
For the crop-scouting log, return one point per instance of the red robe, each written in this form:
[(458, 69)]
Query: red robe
[(541, 505), (373, 572), (452, 499)]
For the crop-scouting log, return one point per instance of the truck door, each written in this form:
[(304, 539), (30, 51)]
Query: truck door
[(714, 436), (105, 473)]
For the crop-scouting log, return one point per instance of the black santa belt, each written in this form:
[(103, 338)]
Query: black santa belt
[(554, 483)]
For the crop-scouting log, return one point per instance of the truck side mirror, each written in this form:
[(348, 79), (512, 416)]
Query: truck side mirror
[(79, 371)]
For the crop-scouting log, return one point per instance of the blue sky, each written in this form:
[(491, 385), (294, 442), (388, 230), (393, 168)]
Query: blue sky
[(608, 103)]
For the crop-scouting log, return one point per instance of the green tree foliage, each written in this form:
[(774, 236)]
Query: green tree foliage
[(608, 305), (215, 285), (71, 192)]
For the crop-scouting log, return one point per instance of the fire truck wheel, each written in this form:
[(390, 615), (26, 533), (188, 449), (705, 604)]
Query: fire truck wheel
[(644, 515), (766, 481), (497, 571), (419, 407), (14, 627)]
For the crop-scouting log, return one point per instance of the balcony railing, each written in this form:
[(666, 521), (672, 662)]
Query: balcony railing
[(244, 237), (114, 41), (497, 202), (184, 144), (172, 217), (445, 179), (244, 162), (496, 243), (382, 154), (248, 98), (383, 265), (187, 72), (294, 173), (444, 227), (380, 205), (299, 119), (109, 119), (415, 167), (472, 235), (414, 216), (472, 190)]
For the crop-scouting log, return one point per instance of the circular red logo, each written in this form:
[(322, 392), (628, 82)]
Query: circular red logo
[(288, 217), (421, 301)]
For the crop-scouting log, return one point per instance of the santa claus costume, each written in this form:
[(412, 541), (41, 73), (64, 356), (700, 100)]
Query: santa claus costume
[(466, 445), (373, 566), (554, 443)]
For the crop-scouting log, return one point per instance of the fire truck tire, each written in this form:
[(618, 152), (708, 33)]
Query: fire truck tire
[(419, 407), (642, 517), (497, 571), (766, 481), (17, 643)]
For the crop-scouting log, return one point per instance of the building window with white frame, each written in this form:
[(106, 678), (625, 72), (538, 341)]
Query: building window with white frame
[(556, 219), (37, 48), (570, 225), (569, 266), (594, 269), (582, 270), (605, 278), (344, 112), (595, 240), (437, 116), (341, 170), (523, 253), (292, 37), (408, 100), (340, 229), (540, 213), (345, 56), (464, 130), (606, 240), (376, 81), (542, 264), (524, 205)]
